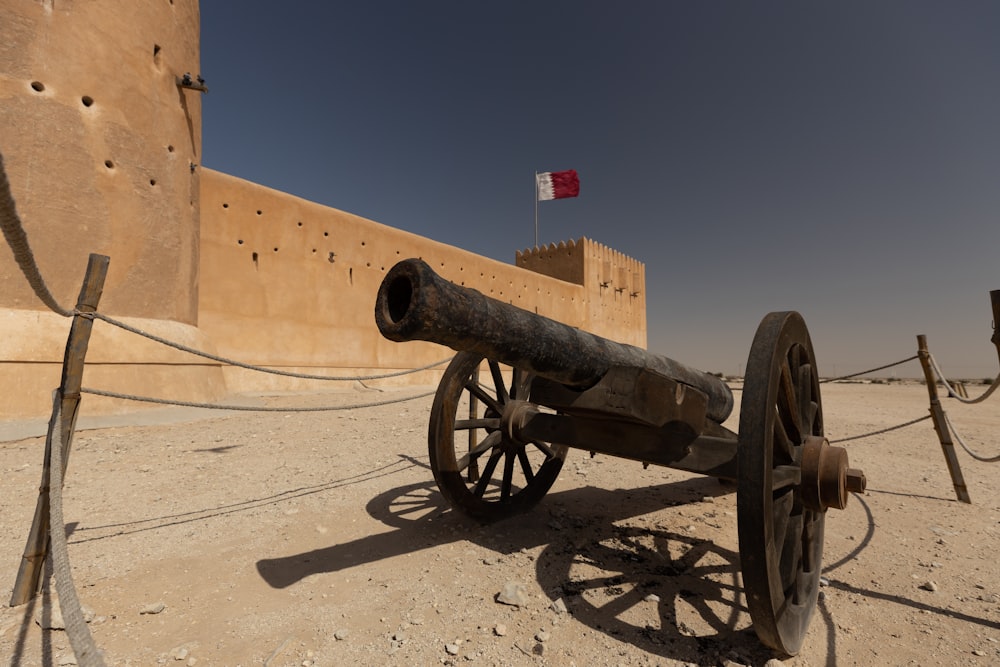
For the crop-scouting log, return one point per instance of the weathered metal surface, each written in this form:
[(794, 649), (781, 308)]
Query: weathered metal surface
[(414, 303), (826, 478), (634, 394)]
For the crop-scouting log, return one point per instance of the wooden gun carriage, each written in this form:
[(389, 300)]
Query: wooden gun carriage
[(497, 443)]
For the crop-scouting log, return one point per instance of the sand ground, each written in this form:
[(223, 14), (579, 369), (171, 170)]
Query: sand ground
[(320, 539)]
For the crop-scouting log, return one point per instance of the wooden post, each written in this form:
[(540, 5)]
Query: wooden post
[(995, 300), (940, 424), (66, 399)]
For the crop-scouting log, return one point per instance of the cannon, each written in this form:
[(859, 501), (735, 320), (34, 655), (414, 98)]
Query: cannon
[(523, 389)]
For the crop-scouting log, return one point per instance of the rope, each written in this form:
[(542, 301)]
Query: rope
[(881, 431), (17, 239), (80, 638), (951, 390), (978, 457), (231, 362), (870, 370), (249, 408)]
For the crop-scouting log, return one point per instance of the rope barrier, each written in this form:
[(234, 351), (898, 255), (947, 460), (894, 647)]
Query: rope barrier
[(881, 431), (951, 390), (261, 369), (17, 239), (249, 408), (870, 370), (978, 457), (79, 635)]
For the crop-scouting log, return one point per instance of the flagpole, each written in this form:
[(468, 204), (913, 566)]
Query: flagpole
[(536, 209)]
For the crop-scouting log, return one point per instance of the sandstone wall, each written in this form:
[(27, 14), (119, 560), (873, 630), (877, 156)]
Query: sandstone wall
[(101, 140), (102, 148), (291, 284)]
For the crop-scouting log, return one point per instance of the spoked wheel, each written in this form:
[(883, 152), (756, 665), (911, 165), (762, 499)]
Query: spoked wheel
[(781, 539), (482, 470)]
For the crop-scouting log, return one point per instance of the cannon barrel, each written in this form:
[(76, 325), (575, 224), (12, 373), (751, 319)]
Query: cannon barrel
[(414, 303)]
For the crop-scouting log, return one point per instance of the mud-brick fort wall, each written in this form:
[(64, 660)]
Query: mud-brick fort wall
[(291, 284), (101, 140)]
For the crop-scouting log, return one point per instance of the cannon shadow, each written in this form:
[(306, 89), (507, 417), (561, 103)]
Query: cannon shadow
[(613, 578)]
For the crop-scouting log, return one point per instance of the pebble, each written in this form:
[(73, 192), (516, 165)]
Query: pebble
[(542, 636), (500, 629), (66, 660), (513, 593), (559, 606), (652, 597), (179, 653), (154, 608), (451, 649), (340, 635), (929, 586), (979, 652)]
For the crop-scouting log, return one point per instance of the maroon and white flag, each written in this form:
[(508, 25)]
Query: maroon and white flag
[(557, 184)]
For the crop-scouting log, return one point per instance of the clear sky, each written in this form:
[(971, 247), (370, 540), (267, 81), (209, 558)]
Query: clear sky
[(841, 159)]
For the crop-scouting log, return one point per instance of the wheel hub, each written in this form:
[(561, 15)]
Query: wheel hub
[(826, 477)]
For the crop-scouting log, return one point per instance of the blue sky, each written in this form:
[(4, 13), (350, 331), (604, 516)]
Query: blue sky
[(839, 159)]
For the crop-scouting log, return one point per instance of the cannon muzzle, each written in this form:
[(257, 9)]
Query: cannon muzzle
[(414, 303)]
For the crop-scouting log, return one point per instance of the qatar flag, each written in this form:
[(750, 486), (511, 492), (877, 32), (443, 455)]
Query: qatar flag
[(557, 184)]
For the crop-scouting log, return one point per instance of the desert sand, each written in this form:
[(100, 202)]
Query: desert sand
[(251, 538)]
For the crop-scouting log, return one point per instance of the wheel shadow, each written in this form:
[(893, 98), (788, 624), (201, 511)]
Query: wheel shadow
[(667, 593)]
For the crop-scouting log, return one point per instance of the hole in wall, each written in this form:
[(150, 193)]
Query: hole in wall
[(331, 257), (109, 164), (275, 250), (37, 86), (326, 233), (156, 51), (362, 244), (254, 257), (350, 275), (87, 100), (152, 181), (259, 212), (239, 241), (170, 148), (225, 205), (300, 223)]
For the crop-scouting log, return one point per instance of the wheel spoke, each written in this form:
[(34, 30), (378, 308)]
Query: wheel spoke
[(805, 397), (508, 476), (490, 424), (808, 536), (545, 448), (791, 559), (522, 457), (488, 443), (502, 394), (780, 511), (479, 392), (519, 384), (783, 445), (788, 404), (487, 474), (785, 476)]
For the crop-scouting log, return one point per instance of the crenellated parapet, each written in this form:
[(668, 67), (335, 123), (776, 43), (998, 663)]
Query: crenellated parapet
[(614, 283)]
